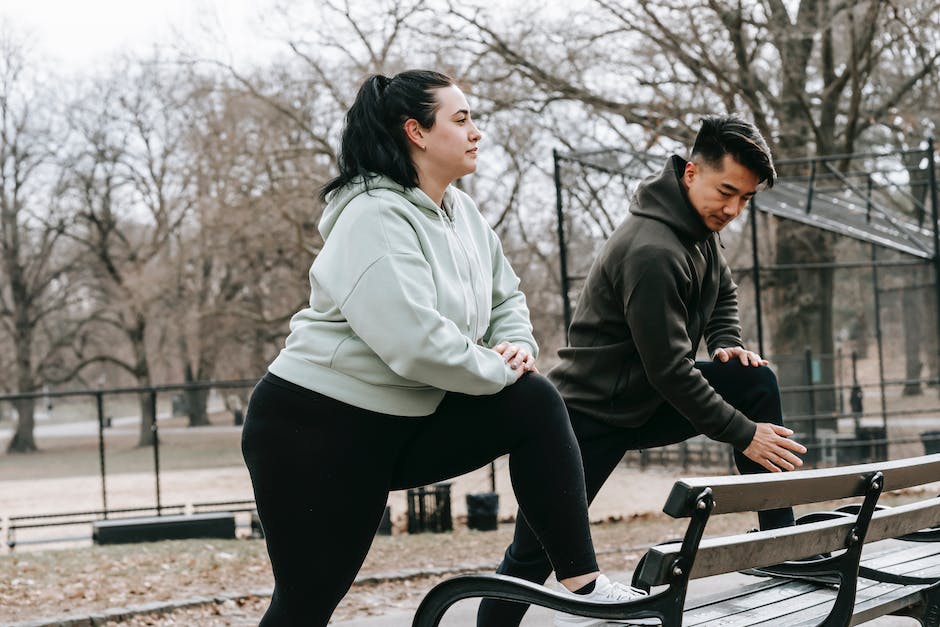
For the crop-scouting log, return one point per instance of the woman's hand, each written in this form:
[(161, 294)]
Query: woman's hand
[(517, 357)]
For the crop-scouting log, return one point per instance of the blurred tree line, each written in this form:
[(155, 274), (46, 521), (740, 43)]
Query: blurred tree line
[(159, 216)]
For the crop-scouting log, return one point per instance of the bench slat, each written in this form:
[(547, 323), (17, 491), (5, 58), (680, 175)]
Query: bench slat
[(735, 493), (904, 558), (872, 599), (889, 603), (767, 606), (904, 519), (738, 591)]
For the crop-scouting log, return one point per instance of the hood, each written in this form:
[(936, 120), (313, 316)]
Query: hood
[(662, 197), (339, 199)]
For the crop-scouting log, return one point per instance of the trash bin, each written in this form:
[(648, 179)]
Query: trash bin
[(931, 440), (875, 440), (429, 509), (482, 510)]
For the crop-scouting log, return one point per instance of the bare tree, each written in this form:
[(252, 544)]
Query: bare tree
[(815, 76), (40, 309), (129, 183), (249, 236)]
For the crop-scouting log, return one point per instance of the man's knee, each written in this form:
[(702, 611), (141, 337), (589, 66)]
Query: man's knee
[(752, 390), (765, 376)]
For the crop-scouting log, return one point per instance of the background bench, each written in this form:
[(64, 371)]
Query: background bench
[(174, 527), (881, 560)]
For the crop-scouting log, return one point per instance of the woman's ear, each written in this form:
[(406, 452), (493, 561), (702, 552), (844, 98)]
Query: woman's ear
[(415, 133)]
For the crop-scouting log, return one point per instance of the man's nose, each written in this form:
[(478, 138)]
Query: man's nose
[(735, 207)]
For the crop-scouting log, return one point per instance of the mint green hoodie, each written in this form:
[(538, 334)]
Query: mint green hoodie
[(405, 300)]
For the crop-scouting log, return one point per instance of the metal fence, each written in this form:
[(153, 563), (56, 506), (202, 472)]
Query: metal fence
[(875, 393), (92, 465)]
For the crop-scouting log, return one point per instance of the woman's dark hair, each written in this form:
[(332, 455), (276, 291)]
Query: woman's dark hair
[(374, 140), (730, 135)]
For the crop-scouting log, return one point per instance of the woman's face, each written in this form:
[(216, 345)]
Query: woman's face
[(452, 141)]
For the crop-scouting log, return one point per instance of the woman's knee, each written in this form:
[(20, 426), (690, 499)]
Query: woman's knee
[(538, 397)]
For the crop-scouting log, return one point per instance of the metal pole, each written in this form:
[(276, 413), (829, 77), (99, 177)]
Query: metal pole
[(99, 397), (808, 357), (156, 447), (493, 476), (755, 255), (880, 339), (839, 385), (811, 187), (935, 210), (562, 246)]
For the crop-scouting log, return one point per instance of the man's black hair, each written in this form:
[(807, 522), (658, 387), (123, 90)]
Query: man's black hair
[(731, 135)]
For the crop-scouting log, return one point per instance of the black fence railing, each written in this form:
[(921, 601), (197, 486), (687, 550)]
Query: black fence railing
[(74, 447)]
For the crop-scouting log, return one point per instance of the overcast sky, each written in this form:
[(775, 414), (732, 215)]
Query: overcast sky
[(81, 32)]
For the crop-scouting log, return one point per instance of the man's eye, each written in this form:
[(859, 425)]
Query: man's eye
[(724, 193)]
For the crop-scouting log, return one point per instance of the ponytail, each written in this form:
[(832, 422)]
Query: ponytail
[(373, 141)]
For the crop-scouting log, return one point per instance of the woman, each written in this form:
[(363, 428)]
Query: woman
[(414, 362)]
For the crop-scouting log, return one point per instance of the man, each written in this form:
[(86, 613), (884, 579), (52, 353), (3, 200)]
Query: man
[(657, 289)]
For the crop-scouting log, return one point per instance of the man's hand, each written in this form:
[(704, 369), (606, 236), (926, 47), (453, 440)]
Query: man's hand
[(773, 449), (517, 357), (748, 358)]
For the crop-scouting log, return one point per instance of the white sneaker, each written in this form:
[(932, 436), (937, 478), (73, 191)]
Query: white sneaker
[(605, 591)]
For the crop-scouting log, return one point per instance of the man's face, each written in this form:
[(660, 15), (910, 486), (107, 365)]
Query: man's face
[(719, 195)]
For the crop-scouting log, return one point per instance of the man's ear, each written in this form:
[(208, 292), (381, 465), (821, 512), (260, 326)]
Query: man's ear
[(690, 171), (415, 133)]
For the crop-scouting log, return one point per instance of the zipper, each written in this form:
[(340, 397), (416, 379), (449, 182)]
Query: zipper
[(473, 298), (463, 288)]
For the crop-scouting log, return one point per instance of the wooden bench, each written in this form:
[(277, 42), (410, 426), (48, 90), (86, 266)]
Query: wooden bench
[(879, 560)]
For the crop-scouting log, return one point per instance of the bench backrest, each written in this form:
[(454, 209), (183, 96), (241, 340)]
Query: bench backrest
[(752, 550), (728, 494)]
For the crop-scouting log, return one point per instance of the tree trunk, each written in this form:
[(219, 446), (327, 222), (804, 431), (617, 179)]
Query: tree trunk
[(24, 440), (147, 420), (196, 400)]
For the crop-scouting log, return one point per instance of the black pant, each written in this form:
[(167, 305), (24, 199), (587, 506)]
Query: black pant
[(753, 391), (322, 470)]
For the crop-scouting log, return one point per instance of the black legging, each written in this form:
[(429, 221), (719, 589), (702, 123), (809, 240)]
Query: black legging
[(322, 470), (751, 390)]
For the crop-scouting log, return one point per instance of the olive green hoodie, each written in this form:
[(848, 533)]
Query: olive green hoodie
[(658, 287), (406, 298)]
